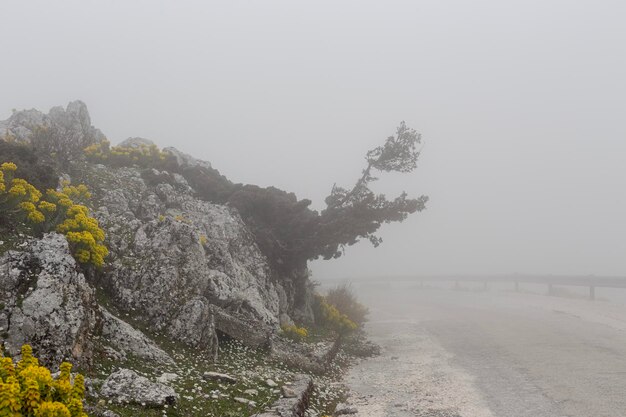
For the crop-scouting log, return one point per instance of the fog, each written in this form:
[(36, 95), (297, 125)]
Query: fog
[(520, 103)]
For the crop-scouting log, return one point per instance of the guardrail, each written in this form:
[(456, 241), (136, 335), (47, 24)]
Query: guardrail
[(592, 282)]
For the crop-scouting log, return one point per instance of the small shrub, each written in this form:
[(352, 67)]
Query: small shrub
[(58, 210), (28, 390), (294, 332), (345, 300), (143, 155), (29, 164), (327, 315)]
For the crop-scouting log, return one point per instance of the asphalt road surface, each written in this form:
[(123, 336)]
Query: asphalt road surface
[(495, 353)]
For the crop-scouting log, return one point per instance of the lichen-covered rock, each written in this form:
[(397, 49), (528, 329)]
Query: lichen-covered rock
[(46, 302), (124, 337), (127, 386), (178, 259)]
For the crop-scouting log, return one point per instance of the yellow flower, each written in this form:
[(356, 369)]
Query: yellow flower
[(36, 217), (47, 207), (8, 167), (27, 206), (17, 191)]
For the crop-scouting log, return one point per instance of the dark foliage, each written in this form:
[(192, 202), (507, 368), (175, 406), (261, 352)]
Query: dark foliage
[(289, 233), (346, 302), (29, 164)]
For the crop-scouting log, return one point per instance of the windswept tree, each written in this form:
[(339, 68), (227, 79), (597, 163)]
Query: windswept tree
[(290, 233), (357, 213)]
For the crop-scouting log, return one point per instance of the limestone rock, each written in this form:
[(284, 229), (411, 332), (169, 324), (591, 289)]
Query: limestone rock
[(178, 259), (124, 337), (345, 409), (47, 302), (126, 386), (73, 122), (288, 392), (185, 160), (136, 142), (168, 377)]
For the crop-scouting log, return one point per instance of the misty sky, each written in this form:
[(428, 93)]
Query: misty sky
[(522, 105)]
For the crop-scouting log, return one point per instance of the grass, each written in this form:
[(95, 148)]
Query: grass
[(199, 397)]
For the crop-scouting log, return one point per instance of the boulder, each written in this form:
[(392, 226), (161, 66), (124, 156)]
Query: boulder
[(47, 303), (124, 337), (126, 386), (179, 260)]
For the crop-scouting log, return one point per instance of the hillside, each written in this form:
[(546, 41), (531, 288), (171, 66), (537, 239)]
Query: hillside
[(187, 279)]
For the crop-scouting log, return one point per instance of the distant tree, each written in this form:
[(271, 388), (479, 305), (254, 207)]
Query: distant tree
[(358, 213)]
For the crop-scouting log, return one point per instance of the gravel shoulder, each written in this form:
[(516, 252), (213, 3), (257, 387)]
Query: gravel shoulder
[(413, 376)]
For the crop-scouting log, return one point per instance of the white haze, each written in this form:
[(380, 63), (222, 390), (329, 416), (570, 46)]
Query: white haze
[(522, 106)]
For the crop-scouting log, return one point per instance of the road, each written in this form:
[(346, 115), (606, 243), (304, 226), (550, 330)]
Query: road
[(491, 353)]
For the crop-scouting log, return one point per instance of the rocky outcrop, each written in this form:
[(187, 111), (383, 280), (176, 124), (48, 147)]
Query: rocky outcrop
[(179, 266), (46, 302), (185, 160), (189, 266), (127, 386), (73, 121)]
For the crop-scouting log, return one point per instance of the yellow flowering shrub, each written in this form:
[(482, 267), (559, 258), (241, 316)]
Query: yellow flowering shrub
[(293, 332), (58, 210), (333, 318), (18, 198), (81, 230), (29, 390), (143, 154)]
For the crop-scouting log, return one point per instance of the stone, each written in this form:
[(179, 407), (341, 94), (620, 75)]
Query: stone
[(251, 392), (216, 376), (167, 378), (126, 338), (345, 409), (287, 392), (126, 386), (136, 143), (270, 383)]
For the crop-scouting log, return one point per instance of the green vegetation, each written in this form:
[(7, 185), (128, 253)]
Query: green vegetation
[(295, 333), (24, 208), (30, 166), (344, 299), (143, 155), (330, 317), (29, 390)]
